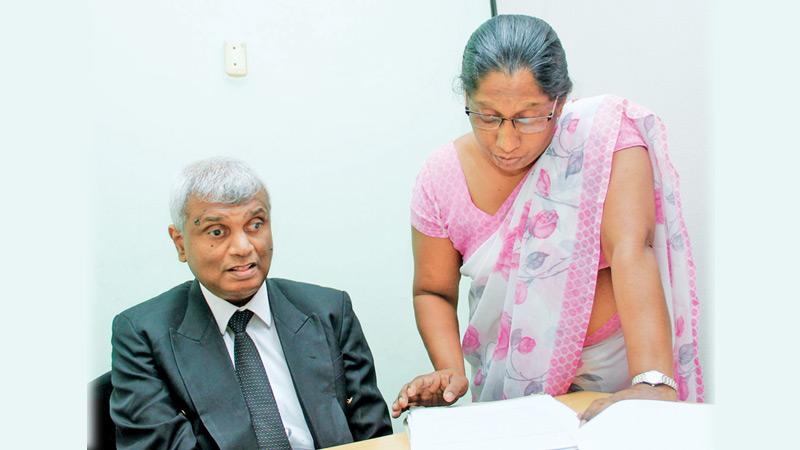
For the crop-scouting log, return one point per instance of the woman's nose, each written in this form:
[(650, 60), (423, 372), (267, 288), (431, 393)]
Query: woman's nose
[(507, 137)]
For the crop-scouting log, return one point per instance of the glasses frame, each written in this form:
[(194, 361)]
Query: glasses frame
[(513, 120)]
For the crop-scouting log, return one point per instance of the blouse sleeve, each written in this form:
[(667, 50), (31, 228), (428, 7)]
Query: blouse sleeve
[(425, 214), (629, 135)]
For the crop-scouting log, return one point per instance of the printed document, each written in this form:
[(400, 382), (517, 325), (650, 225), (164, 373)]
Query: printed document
[(539, 422)]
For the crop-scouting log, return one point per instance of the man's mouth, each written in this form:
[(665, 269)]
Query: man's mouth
[(242, 268)]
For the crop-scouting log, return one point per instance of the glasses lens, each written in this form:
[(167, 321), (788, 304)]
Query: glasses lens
[(529, 126), (484, 122)]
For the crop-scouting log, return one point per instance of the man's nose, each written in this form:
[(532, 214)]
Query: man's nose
[(507, 137), (240, 244)]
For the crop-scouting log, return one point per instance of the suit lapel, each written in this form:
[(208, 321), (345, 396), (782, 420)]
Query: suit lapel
[(209, 375), (308, 356)]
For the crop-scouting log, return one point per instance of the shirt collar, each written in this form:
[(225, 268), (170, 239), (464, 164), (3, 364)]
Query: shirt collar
[(223, 310)]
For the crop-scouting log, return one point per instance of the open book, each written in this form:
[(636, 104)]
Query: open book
[(539, 422)]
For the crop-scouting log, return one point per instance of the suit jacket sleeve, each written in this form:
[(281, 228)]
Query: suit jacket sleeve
[(367, 414), (141, 407)]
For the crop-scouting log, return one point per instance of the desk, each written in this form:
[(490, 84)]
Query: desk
[(578, 401)]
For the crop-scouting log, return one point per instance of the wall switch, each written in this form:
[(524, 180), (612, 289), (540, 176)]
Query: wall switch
[(236, 59)]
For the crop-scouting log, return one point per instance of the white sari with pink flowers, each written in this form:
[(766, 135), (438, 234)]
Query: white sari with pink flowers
[(533, 281)]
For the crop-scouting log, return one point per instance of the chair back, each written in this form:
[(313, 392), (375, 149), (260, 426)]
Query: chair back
[(102, 432)]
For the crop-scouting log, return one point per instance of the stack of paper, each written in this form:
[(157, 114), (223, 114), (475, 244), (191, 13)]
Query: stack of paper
[(540, 422), (537, 422), (650, 424)]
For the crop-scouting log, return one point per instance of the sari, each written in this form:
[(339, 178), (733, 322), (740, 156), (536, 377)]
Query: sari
[(533, 280)]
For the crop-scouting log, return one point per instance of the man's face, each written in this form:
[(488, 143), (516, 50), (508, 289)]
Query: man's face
[(228, 247)]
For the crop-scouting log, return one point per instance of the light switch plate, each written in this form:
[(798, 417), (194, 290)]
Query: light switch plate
[(236, 59)]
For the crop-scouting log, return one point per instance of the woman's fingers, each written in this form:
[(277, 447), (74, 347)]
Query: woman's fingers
[(595, 408), (456, 387), (639, 391), (432, 389), (428, 389), (401, 402), (409, 394), (418, 386)]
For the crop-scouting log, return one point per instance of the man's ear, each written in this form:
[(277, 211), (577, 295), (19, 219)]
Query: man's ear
[(177, 239)]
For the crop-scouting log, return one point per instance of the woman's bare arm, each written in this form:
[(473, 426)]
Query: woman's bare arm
[(627, 231), (435, 290)]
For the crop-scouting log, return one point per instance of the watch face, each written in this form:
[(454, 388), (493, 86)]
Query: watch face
[(653, 377)]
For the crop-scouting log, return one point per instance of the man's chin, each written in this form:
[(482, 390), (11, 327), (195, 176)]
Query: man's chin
[(241, 292), (239, 298)]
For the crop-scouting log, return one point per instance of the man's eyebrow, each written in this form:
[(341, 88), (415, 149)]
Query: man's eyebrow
[(199, 220), (257, 211)]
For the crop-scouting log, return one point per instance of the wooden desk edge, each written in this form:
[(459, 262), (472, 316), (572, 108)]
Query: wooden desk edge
[(577, 401)]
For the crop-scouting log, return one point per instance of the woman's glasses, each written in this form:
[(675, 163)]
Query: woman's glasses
[(525, 125)]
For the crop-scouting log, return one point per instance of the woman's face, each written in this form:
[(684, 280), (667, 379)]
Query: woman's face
[(512, 96)]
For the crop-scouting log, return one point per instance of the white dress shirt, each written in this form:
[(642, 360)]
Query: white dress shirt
[(262, 331)]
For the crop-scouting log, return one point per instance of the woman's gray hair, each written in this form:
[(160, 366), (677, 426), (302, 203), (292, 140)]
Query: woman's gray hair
[(508, 43), (216, 180)]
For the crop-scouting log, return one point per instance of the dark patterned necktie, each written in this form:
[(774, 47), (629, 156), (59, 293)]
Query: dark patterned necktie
[(255, 387)]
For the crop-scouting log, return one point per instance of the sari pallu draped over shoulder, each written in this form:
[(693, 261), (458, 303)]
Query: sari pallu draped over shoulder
[(533, 280)]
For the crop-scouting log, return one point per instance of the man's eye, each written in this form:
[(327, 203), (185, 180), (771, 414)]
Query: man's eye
[(215, 232), (257, 225)]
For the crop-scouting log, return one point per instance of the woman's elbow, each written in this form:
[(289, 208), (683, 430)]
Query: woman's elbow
[(633, 248)]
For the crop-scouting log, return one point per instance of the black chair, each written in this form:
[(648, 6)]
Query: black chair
[(102, 433)]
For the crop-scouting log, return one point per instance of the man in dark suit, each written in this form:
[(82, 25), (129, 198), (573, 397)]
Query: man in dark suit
[(233, 360)]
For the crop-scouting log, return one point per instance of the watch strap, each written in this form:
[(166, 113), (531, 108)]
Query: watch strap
[(654, 378)]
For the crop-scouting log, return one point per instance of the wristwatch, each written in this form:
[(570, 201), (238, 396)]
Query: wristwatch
[(654, 378)]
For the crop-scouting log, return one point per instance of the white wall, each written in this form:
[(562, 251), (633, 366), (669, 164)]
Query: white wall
[(43, 141), (377, 78), (754, 98), (656, 54)]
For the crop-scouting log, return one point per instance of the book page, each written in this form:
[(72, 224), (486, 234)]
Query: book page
[(651, 425), (536, 422)]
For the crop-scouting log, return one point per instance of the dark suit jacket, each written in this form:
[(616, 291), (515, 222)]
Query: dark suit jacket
[(175, 386)]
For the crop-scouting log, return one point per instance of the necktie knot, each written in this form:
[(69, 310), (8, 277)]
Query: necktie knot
[(239, 320)]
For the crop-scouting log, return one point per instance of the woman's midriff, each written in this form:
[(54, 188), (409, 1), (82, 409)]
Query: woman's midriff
[(604, 306)]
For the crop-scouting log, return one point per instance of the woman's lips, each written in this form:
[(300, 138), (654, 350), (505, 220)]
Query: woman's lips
[(506, 161)]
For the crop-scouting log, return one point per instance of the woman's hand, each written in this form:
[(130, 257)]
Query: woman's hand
[(439, 388), (640, 391)]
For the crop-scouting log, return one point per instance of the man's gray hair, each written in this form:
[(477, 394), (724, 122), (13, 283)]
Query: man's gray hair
[(216, 180), (508, 43)]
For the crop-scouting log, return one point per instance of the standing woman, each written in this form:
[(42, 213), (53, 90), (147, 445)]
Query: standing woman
[(565, 215)]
